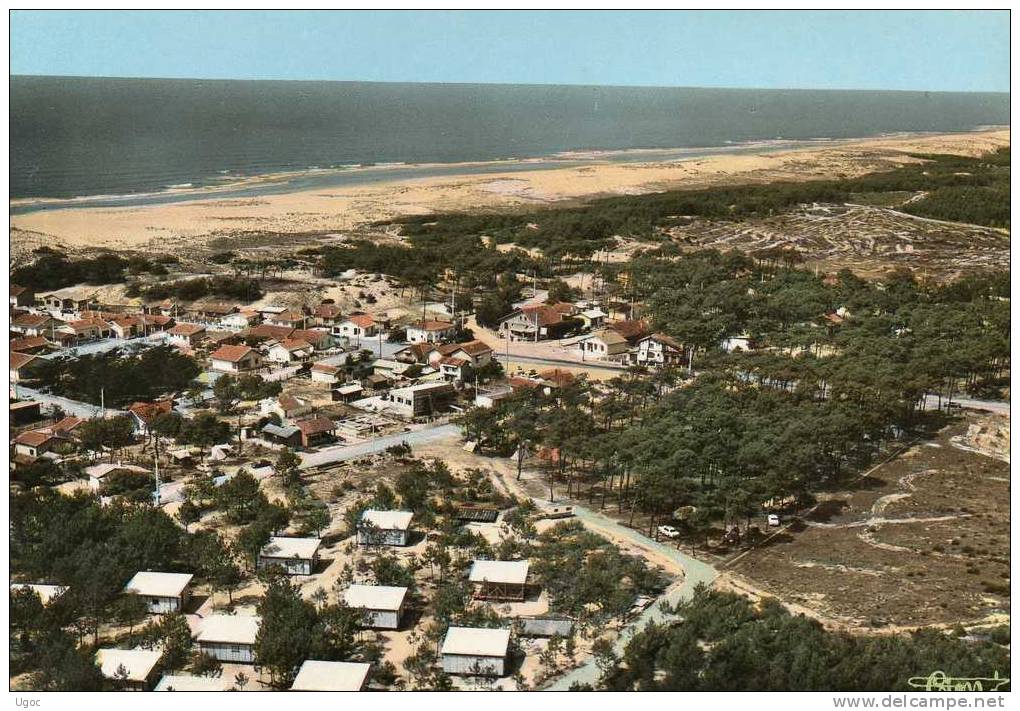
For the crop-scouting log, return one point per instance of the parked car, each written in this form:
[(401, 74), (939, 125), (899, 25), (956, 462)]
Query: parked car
[(668, 532), (773, 519)]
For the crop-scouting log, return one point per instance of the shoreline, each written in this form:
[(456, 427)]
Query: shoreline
[(287, 213), (274, 182)]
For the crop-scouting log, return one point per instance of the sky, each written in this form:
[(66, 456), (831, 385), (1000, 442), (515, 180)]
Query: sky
[(910, 50)]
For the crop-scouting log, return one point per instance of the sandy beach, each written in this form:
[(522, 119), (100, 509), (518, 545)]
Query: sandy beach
[(291, 217)]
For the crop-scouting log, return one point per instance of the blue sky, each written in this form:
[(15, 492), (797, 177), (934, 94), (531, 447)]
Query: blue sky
[(934, 51)]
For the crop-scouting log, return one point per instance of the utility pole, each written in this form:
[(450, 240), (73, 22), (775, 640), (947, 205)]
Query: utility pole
[(156, 496)]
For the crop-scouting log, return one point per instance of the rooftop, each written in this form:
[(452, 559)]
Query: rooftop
[(138, 663), (155, 584), (181, 682), (476, 642), (514, 572), (231, 629), (375, 597), (388, 520), (231, 354), (45, 592), (330, 676), (282, 547)]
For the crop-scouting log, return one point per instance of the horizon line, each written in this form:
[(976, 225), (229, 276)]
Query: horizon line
[(503, 83)]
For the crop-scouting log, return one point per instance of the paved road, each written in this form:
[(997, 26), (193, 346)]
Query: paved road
[(561, 362), (108, 344), (71, 407), (374, 446), (695, 573), (996, 406)]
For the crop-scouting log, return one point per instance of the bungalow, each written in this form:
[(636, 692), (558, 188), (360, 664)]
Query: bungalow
[(356, 326), (282, 434), (347, 392), (235, 359), (319, 339), (382, 605), (29, 344), (659, 349), (315, 675), (735, 344), (229, 638), (34, 324), (296, 556), (67, 427), (605, 344), (491, 397), (185, 335), (35, 443), (325, 373), (211, 313), (430, 331), (290, 351), (162, 592), (384, 528), (23, 412), (90, 329), (144, 413), (475, 651), (46, 593), (592, 318), (267, 332), (69, 301), (98, 473), (327, 314), (21, 296), (316, 431), (21, 365), (133, 669), (125, 327), (499, 579), (422, 399), (633, 330), (288, 318), (240, 320), (475, 352), (285, 405), (417, 353), (540, 321)]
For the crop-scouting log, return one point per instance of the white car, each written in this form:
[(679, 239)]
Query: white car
[(773, 519), (668, 532)]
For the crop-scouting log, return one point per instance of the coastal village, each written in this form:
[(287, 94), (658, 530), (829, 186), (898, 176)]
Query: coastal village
[(348, 397), (259, 467)]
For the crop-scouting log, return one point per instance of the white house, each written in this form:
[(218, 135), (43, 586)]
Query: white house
[(737, 343), (290, 350), (658, 349), (356, 326), (315, 675), (475, 651), (229, 638), (454, 368), (499, 579), (383, 605), (98, 473), (421, 399), (386, 528), (235, 359), (325, 373), (185, 335), (430, 331), (129, 668), (603, 344), (297, 556), (162, 592)]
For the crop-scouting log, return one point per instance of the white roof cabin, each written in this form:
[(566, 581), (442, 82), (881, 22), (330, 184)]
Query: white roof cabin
[(182, 682), (388, 520), (229, 629), (138, 663), (511, 572), (476, 642), (315, 675), (46, 593), (375, 597), (282, 547), (152, 584)]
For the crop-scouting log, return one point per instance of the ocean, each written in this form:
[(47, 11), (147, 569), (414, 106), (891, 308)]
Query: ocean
[(80, 136)]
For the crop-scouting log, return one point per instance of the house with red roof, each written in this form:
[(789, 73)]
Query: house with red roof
[(235, 359), (357, 326)]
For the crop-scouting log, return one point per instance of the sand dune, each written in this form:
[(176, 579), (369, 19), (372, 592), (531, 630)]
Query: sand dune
[(194, 224)]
